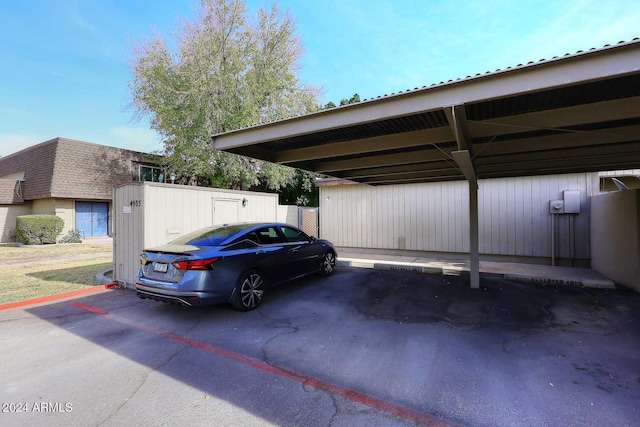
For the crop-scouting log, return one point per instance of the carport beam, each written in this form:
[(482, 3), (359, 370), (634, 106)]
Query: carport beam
[(474, 252)]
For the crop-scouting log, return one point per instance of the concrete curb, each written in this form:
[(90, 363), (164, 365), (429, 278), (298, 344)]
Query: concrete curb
[(105, 279), (457, 271), (408, 267), (446, 271), (56, 297), (561, 281)]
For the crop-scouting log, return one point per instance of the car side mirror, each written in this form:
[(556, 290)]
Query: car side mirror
[(312, 239)]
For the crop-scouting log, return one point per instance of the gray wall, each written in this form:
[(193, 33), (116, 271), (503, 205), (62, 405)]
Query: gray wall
[(615, 236), (514, 217)]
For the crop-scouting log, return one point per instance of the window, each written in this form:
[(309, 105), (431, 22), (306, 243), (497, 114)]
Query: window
[(268, 235), (209, 236), (151, 173), (293, 235)]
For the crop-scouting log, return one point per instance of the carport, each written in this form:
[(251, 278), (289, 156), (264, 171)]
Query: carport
[(575, 113)]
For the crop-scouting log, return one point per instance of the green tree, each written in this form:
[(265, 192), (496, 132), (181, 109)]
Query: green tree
[(222, 74), (328, 105), (302, 191), (355, 98)]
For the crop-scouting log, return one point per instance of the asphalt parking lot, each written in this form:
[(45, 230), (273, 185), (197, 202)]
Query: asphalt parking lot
[(360, 348)]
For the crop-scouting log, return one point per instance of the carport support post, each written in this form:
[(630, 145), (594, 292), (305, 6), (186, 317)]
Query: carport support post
[(474, 252), (457, 118)]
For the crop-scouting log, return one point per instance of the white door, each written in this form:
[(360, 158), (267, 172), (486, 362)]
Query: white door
[(225, 211)]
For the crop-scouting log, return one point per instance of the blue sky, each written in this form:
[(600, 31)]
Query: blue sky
[(65, 62)]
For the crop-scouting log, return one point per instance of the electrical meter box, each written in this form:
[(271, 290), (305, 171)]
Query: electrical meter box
[(556, 206), (571, 201)]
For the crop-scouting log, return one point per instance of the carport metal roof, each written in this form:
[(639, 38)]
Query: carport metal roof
[(576, 113)]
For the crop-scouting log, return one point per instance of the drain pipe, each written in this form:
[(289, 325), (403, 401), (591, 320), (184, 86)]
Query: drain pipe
[(553, 239)]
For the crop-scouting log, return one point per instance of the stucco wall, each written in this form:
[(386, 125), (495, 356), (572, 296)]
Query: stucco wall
[(615, 236), (8, 216), (64, 208)]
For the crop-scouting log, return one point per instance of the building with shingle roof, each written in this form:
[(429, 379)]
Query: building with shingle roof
[(71, 179)]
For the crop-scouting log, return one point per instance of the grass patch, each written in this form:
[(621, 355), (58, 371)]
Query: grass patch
[(38, 279), (25, 253)]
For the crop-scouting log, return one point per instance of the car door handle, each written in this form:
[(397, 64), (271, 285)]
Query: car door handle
[(260, 252), (296, 249)]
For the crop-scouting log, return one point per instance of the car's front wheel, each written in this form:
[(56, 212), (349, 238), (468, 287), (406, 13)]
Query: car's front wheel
[(328, 264), (249, 291)]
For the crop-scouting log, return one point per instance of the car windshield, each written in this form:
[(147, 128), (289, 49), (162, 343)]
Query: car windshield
[(210, 236)]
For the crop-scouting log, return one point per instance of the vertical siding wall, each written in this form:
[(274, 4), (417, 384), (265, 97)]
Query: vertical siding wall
[(171, 211), (615, 233), (288, 214), (128, 231), (151, 214), (514, 217)]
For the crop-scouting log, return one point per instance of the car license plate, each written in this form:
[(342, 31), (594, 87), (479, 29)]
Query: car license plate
[(160, 267)]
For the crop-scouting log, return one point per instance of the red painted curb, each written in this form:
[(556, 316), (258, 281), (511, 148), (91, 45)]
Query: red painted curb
[(353, 395), (55, 297)]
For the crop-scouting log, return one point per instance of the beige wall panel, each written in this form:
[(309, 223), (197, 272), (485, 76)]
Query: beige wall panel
[(288, 214), (65, 209), (395, 217), (43, 207), (8, 216), (615, 233), (152, 214), (514, 216), (128, 227), (15, 175), (226, 211)]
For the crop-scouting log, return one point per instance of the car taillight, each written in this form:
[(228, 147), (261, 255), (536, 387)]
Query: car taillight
[(196, 264)]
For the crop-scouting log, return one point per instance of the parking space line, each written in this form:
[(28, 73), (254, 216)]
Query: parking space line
[(355, 396)]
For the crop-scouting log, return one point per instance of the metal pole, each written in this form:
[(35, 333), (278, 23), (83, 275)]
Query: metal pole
[(571, 241), (474, 252), (553, 239)]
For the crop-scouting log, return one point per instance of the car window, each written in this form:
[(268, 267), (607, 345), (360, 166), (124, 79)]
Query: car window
[(242, 243), (294, 235), (253, 236), (210, 236), (268, 235)]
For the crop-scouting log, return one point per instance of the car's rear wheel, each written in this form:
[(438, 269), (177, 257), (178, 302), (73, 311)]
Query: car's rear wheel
[(249, 291), (328, 264)]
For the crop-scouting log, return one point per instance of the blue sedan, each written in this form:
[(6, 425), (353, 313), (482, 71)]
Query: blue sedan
[(233, 263)]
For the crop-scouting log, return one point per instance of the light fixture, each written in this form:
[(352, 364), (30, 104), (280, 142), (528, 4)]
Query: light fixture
[(172, 177), (244, 202)]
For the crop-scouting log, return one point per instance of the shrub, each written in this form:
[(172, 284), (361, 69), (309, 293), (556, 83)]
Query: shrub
[(73, 236), (38, 229)]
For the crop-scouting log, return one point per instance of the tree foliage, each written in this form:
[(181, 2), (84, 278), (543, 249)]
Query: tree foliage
[(355, 98), (220, 73)]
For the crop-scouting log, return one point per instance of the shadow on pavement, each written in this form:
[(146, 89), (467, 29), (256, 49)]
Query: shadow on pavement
[(424, 342)]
